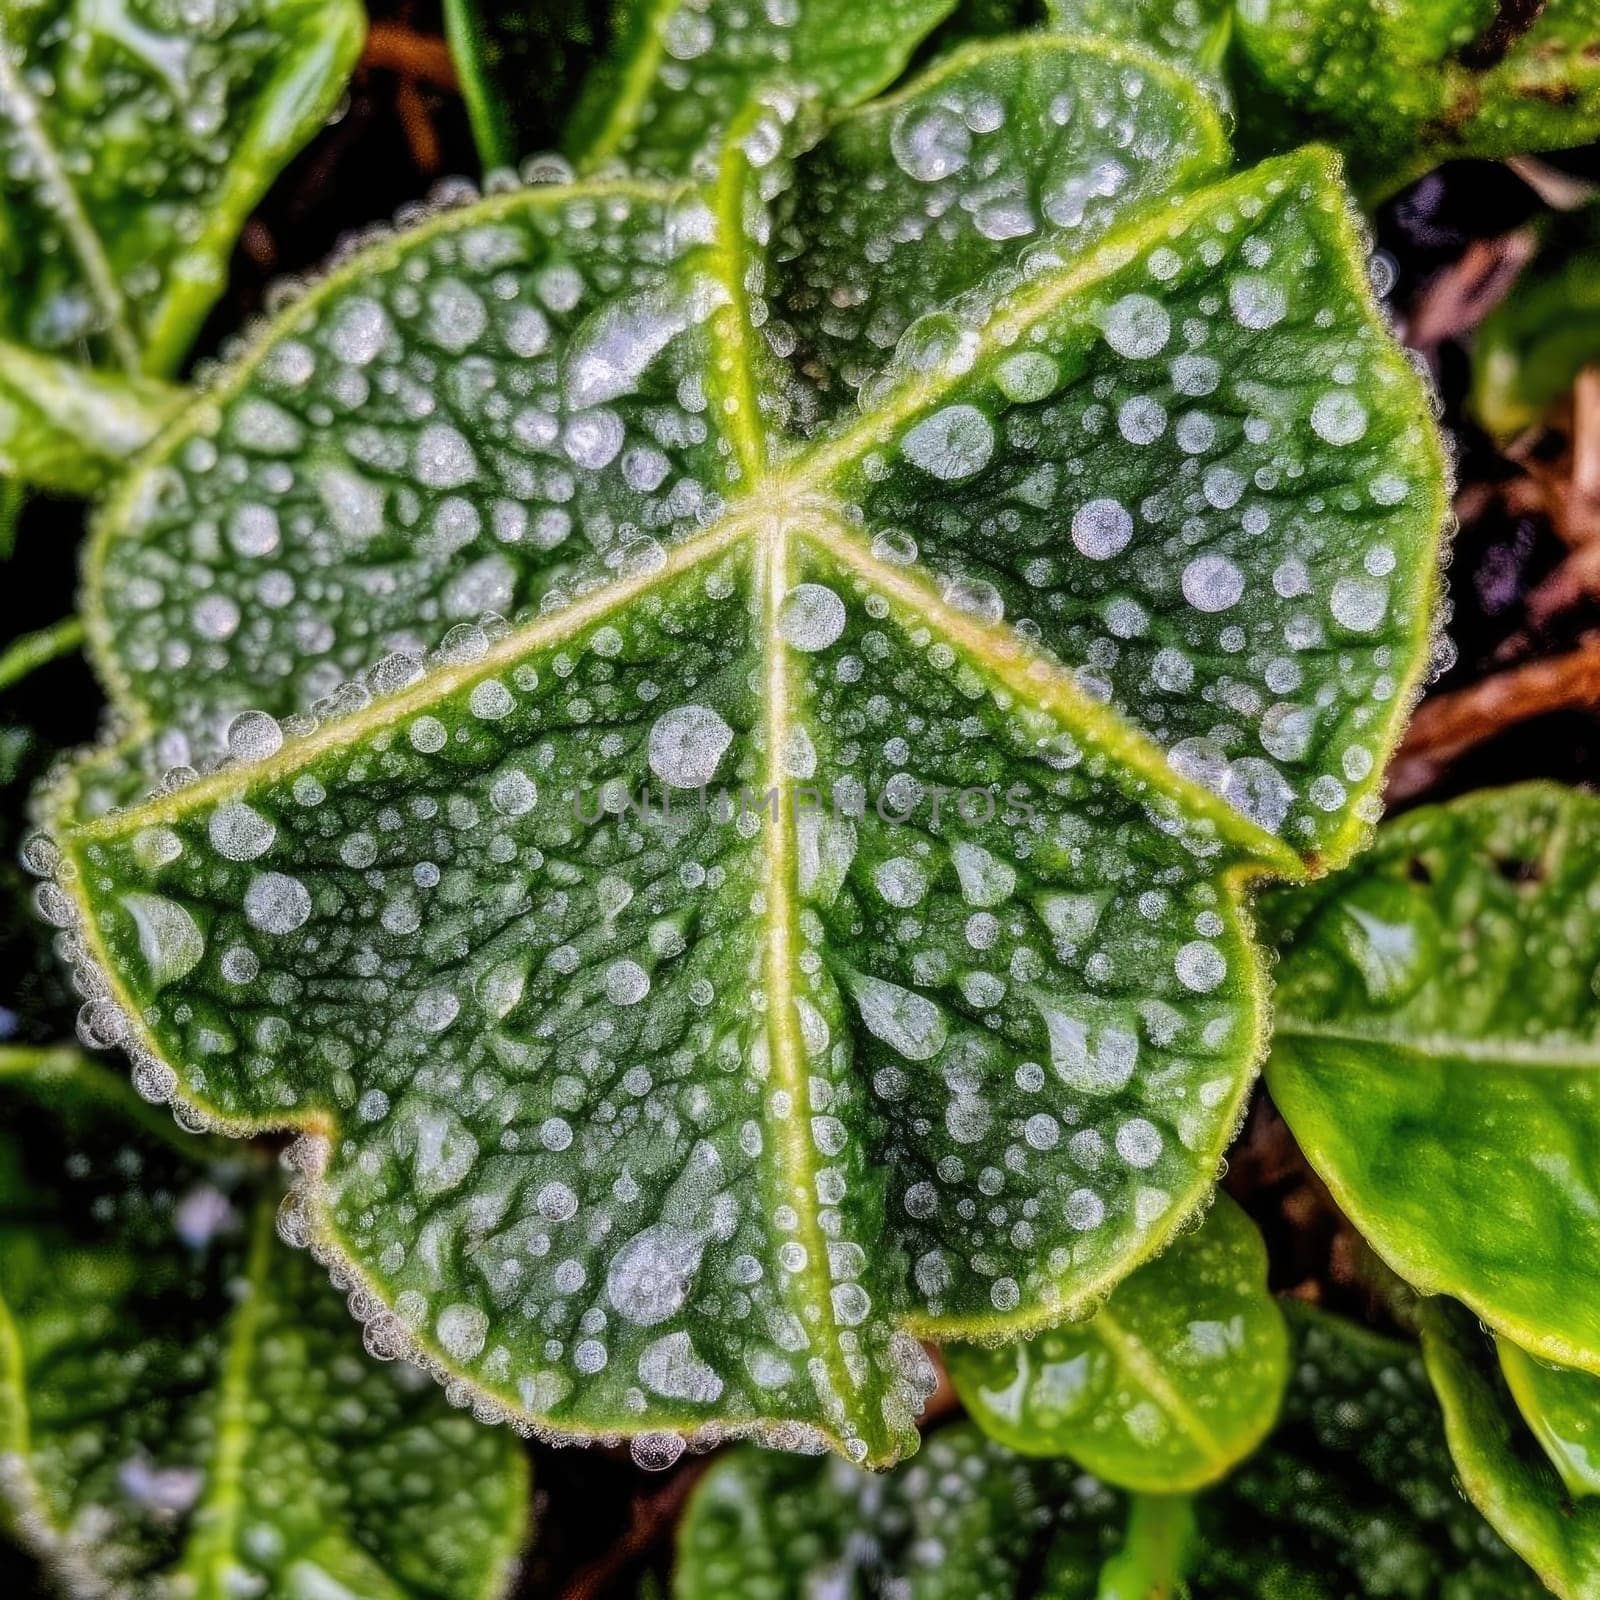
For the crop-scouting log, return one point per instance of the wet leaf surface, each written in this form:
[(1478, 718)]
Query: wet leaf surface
[(666, 1125), (184, 1403)]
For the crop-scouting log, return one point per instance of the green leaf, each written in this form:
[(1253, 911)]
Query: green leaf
[(1538, 1499), (672, 1126), (904, 205), (183, 1405), (1414, 1059), (1189, 33), (519, 66), (63, 426), (137, 138), (680, 71), (1559, 1405), (1176, 1380), (1352, 1496), (1408, 84), (966, 1518), (1529, 350)]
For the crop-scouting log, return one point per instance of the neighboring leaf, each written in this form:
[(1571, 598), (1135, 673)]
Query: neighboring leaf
[(184, 1406), (1352, 1497), (1529, 350), (1407, 84), (1553, 1525), (1562, 1407), (136, 138), (67, 427), (519, 65), (680, 71), (967, 1520), (1189, 33), (689, 1124), (1174, 1381), (1451, 1104)]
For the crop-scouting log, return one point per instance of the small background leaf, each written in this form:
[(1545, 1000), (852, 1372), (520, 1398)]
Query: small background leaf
[(1532, 346), (679, 73), (1168, 1387), (1352, 1496)]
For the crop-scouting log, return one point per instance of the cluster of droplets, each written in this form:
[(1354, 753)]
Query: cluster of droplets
[(171, 80), (1236, 581), (512, 407), (985, 170), (616, 1092)]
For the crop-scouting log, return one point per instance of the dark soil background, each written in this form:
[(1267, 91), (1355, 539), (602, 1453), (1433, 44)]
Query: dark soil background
[(1518, 700)]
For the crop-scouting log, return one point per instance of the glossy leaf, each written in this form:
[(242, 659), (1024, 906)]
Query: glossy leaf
[(678, 1125), (68, 427), (137, 137), (1560, 1405), (184, 1406), (1166, 1388), (1519, 1486), (1451, 1104), (1352, 1497), (519, 66), (1405, 85), (1529, 350), (680, 72)]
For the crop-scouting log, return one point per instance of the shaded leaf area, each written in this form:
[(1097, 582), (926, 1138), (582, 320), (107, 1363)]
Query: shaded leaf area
[(1399, 88), (185, 1404), (656, 1125), (679, 73), (1413, 1057), (1166, 1388), (1531, 349), (519, 67), (135, 140), (1353, 1495), (1522, 1434)]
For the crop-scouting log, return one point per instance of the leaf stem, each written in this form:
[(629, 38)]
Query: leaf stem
[(33, 650)]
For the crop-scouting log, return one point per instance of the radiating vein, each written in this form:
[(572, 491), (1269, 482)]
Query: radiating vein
[(1040, 680)]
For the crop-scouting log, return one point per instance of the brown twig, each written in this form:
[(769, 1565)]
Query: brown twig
[(651, 1520), (1456, 300), (1452, 723), (411, 107), (420, 57)]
